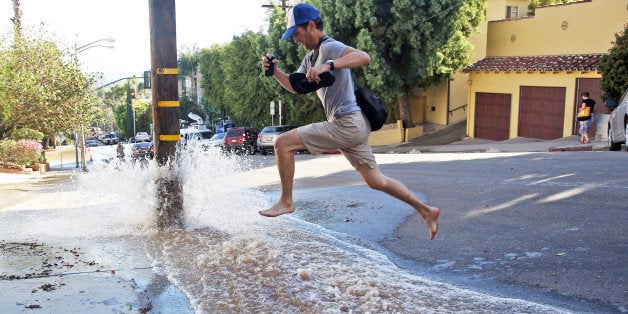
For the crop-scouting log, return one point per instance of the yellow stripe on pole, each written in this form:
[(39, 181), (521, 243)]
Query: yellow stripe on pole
[(169, 138), (168, 103), (167, 71)]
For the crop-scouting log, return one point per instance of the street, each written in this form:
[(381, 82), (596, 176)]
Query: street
[(551, 225), (544, 228)]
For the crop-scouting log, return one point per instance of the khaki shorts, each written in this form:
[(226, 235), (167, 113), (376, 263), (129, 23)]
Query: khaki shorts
[(348, 133)]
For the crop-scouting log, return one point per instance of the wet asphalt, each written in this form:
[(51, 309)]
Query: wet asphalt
[(542, 225)]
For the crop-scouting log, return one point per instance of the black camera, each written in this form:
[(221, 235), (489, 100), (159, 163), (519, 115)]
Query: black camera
[(271, 66)]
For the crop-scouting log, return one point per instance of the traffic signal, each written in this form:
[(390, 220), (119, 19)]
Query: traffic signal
[(132, 93), (146, 79)]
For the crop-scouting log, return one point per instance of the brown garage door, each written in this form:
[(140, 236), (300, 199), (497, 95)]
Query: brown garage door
[(542, 112), (492, 116)]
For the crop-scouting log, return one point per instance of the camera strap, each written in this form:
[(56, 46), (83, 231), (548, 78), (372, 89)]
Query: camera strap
[(317, 50)]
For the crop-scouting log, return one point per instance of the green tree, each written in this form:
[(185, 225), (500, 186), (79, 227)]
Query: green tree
[(412, 43), (116, 115), (188, 63), (539, 3), (244, 91), (40, 90), (213, 80), (107, 114), (143, 115), (614, 68), (298, 109)]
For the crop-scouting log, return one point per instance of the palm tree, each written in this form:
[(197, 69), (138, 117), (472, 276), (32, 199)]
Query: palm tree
[(188, 67)]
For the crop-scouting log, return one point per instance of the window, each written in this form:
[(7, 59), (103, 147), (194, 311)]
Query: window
[(512, 12)]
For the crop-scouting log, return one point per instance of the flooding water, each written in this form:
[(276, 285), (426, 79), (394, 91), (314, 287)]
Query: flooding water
[(230, 259)]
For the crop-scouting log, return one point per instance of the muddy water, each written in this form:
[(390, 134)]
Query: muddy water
[(230, 259)]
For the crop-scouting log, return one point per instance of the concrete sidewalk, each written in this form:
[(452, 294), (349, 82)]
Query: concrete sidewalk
[(477, 145)]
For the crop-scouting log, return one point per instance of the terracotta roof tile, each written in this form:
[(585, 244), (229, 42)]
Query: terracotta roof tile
[(584, 62)]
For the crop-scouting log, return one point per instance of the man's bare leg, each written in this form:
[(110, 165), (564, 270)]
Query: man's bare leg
[(378, 181), (285, 146)]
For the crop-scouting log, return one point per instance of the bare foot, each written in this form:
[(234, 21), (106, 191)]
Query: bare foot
[(277, 210), (431, 219)]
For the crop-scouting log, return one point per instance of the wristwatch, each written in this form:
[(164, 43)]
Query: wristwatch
[(331, 64)]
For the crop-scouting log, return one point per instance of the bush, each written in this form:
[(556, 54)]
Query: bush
[(22, 152), (27, 134), (7, 150), (614, 68)]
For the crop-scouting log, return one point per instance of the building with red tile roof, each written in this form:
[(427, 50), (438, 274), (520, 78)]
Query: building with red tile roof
[(528, 71)]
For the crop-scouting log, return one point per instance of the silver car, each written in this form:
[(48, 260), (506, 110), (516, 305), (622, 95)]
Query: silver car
[(618, 125), (266, 139), (218, 140)]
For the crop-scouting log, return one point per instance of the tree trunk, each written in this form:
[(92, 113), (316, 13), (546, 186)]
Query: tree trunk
[(194, 89), (17, 19), (46, 142), (404, 111)]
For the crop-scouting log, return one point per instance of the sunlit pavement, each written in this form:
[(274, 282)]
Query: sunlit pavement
[(511, 223)]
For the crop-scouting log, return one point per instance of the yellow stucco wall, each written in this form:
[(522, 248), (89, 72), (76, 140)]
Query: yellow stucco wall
[(392, 133), (436, 104), (458, 97), (510, 83), (417, 108), (576, 28)]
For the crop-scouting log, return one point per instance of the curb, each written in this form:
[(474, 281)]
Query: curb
[(582, 148)]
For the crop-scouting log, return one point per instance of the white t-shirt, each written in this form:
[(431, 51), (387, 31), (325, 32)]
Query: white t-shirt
[(338, 99)]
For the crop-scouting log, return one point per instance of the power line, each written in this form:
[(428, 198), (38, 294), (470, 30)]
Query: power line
[(439, 13), (283, 5)]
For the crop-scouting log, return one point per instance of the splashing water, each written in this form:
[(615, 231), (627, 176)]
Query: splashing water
[(230, 259)]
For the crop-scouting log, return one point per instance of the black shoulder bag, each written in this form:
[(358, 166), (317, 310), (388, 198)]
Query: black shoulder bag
[(371, 105)]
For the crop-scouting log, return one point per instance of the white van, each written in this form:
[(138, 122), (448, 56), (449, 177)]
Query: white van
[(196, 135)]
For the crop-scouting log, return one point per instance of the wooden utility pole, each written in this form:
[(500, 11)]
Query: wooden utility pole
[(164, 79)]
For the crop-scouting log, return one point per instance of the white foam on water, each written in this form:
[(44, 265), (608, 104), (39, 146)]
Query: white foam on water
[(229, 258), (213, 191)]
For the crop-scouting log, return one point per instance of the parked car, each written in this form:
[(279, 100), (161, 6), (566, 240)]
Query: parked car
[(143, 150), (110, 138), (195, 136), (241, 140), (218, 140), (142, 137), (266, 139), (618, 125), (91, 143)]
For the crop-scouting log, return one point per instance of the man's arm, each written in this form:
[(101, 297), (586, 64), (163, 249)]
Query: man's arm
[(284, 80), (351, 58), (279, 75)]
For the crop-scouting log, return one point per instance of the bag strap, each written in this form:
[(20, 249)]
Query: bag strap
[(316, 52), (356, 84)]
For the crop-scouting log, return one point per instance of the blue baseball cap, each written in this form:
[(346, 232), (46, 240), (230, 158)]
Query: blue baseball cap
[(299, 14)]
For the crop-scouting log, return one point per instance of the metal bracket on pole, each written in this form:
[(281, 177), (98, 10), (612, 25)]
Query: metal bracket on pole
[(169, 138), (167, 71), (168, 103)]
